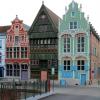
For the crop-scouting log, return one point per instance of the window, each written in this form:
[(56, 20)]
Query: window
[(94, 52), (0, 57), (41, 41), (80, 65), (24, 66), (0, 43), (9, 52), (43, 28), (80, 44), (43, 16), (35, 62), (16, 40), (66, 64), (48, 41), (73, 14), (10, 38), (23, 52), (22, 38), (67, 44), (16, 70), (12, 70), (73, 25), (9, 70), (16, 52)]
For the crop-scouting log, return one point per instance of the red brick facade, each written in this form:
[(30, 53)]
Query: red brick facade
[(94, 55), (17, 51)]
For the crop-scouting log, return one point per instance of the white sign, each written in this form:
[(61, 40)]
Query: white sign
[(53, 71)]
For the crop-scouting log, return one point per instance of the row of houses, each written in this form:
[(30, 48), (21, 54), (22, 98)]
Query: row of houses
[(69, 44)]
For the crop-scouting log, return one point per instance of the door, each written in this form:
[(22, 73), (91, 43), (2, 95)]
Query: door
[(24, 75), (83, 79)]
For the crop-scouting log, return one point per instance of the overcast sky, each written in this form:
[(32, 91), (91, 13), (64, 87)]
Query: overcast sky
[(28, 9)]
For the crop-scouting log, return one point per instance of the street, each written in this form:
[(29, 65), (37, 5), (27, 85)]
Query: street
[(75, 93), (70, 97)]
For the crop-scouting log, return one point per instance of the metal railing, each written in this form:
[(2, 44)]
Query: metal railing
[(22, 90)]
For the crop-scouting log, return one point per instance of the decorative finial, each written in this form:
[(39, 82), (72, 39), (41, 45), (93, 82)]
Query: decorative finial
[(73, 4), (88, 17), (80, 6), (65, 9), (16, 16), (43, 2), (72, 0)]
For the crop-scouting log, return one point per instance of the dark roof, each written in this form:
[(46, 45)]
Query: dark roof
[(26, 27), (94, 32), (3, 29), (54, 18)]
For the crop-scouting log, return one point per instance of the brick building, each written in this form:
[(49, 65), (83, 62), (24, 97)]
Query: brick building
[(17, 51)]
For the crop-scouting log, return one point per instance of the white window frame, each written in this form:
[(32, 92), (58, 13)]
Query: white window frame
[(80, 66), (65, 44), (73, 25), (80, 44), (66, 65)]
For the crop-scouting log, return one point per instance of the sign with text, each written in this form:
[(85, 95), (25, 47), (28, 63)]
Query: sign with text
[(43, 75)]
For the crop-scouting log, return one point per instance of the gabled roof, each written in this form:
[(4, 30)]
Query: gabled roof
[(51, 15), (3, 29), (94, 32)]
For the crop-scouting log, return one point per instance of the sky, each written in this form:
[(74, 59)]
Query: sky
[(28, 9)]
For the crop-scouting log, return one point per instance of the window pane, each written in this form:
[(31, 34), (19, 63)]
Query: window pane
[(73, 14), (78, 62), (64, 67), (68, 62), (16, 39), (68, 67), (64, 62), (82, 62), (0, 43), (82, 67), (78, 67)]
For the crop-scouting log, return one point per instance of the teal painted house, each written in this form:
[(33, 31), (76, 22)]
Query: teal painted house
[(74, 46)]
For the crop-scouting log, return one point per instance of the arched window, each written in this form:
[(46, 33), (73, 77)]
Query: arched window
[(67, 43), (80, 42)]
